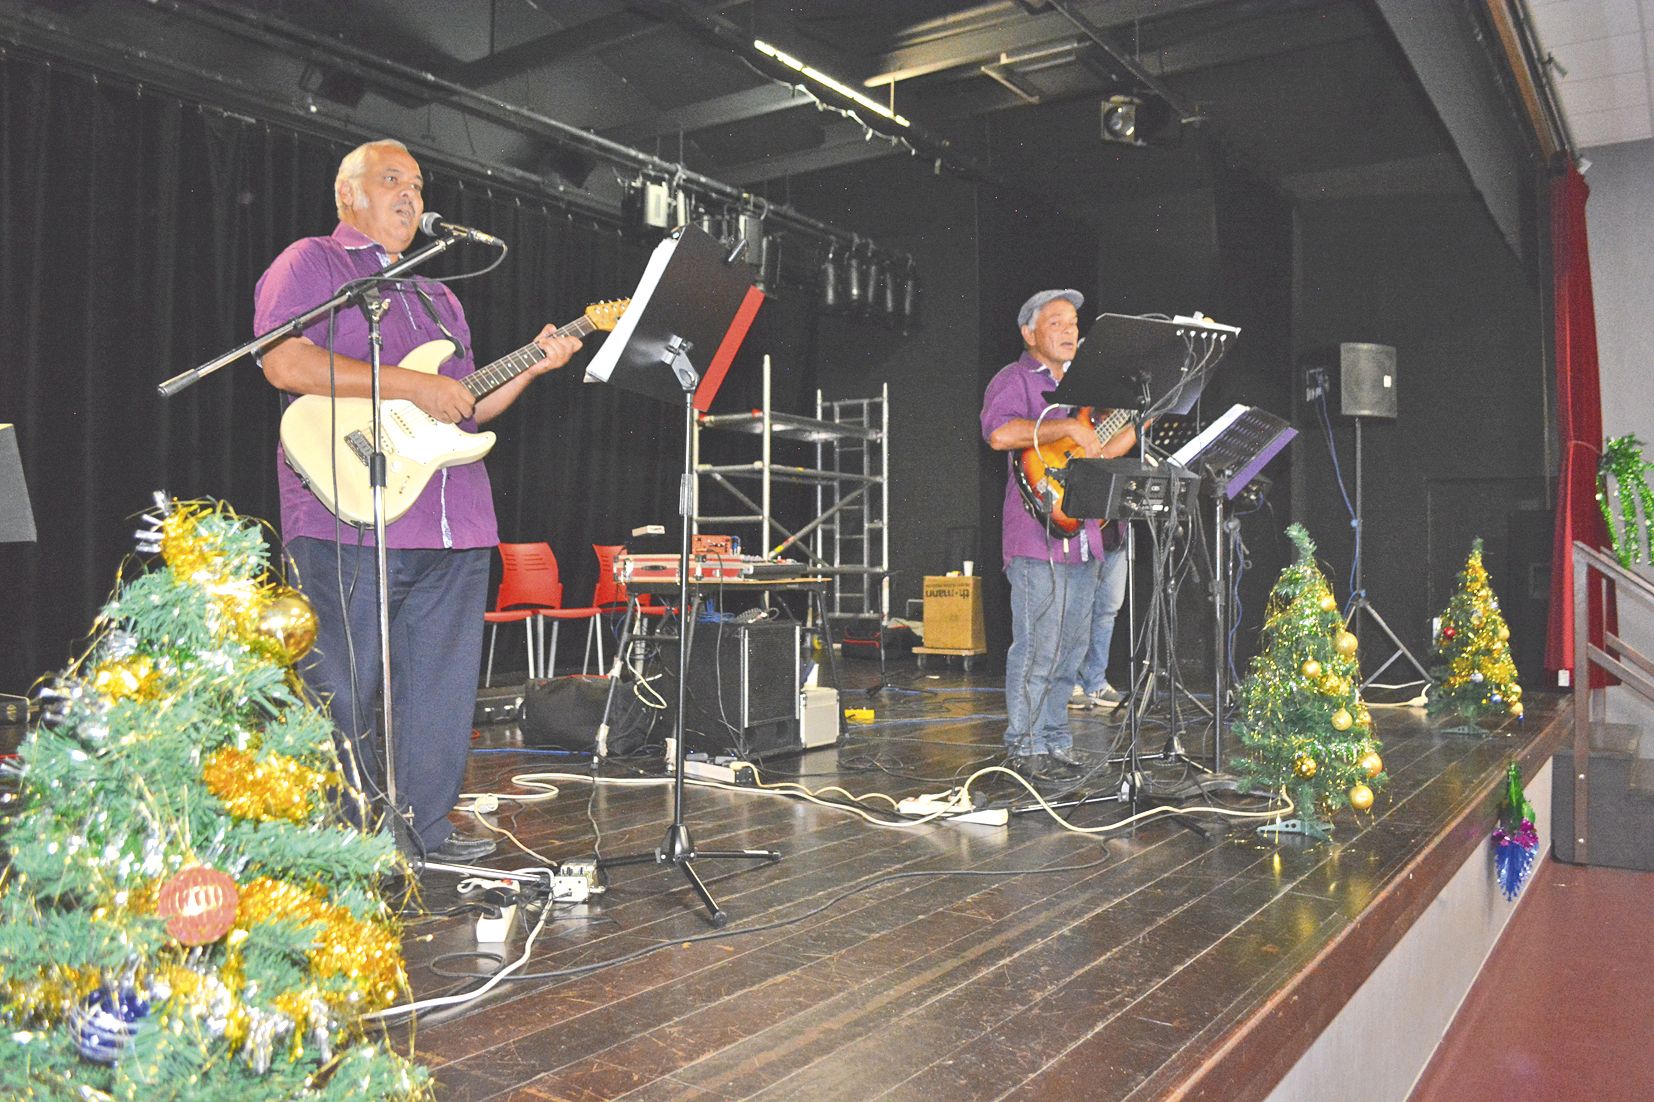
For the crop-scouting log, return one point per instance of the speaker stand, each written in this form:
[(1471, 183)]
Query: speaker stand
[(1360, 603)]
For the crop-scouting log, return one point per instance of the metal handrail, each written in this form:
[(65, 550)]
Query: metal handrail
[(1634, 669)]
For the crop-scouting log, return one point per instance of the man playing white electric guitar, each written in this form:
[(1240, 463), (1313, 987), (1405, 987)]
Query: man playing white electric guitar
[(438, 549)]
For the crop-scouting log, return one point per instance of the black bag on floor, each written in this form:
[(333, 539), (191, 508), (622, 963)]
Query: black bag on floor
[(565, 712)]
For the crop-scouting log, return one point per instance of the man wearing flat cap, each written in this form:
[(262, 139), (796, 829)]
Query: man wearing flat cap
[(1053, 579)]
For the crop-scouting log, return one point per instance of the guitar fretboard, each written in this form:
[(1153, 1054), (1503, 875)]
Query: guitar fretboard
[(1112, 424), (486, 380)]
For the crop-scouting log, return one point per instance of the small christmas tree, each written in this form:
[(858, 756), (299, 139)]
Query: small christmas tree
[(1302, 719), (1470, 657), (183, 916)]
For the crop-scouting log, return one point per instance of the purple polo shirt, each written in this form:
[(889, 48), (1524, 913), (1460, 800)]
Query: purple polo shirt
[(457, 507), (1019, 390)]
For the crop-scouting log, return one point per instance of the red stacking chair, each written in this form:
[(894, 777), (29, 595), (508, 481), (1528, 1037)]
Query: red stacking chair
[(528, 585), (557, 614)]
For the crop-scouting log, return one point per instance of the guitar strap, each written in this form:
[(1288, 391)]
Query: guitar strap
[(430, 308)]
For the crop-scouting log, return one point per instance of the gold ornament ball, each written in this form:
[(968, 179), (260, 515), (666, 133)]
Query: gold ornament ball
[(1311, 668), (1503, 632), (1514, 692), (1332, 684), (1328, 604), (1516, 708), (1342, 720), (287, 626), (1371, 764), (1361, 797), (133, 676), (1303, 765), (1346, 643)]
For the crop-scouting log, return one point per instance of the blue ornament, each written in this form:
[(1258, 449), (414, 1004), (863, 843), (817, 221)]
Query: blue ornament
[(105, 1022)]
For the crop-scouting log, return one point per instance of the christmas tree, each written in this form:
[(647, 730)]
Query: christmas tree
[(1302, 720), (183, 916), (1470, 657)]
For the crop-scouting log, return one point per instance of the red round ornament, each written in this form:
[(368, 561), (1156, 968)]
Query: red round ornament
[(199, 905), (1449, 631)]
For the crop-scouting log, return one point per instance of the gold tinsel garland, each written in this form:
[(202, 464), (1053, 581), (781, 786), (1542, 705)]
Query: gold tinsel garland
[(368, 953), (265, 789)]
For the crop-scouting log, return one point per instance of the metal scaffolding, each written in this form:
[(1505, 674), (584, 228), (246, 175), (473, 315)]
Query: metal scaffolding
[(848, 539)]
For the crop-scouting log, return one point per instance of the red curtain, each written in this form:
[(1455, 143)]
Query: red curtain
[(1579, 419)]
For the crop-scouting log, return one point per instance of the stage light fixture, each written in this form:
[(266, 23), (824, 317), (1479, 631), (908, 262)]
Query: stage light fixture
[(910, 295), (1120, 120), (767, 273), (887, 298), (828, 281), (855, 281)]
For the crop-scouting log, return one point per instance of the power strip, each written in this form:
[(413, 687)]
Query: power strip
[(733, 772), (955, 805)]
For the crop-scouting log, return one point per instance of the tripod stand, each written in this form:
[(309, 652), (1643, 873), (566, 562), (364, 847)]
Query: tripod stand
[(1360, 603), (690, 296), (679, 848)]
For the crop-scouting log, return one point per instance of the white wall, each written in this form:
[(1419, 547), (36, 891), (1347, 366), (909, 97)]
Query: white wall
[(1385, 1035), (1620, 220)]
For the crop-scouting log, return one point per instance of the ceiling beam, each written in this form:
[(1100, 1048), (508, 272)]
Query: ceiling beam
[(592, 36), (719, 111), (844, 145), (983, 34)]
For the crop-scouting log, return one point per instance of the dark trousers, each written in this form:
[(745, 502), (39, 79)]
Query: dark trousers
[(437, 599)]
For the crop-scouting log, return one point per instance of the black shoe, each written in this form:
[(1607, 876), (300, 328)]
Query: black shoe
[(1032, 767), (1066, 757), (457, 850)]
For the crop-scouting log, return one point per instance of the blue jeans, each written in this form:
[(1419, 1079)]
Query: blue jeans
[(1105, 609), (437, 599), (1050, 628)]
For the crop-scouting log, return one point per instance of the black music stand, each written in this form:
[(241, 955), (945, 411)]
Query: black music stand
[(1126, 361), (692, 300), (1229, 455)]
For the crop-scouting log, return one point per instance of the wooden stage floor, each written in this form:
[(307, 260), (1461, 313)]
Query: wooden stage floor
[(946, 961)]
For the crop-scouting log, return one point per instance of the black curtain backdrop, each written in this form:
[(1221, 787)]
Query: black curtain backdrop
[(132, 230)]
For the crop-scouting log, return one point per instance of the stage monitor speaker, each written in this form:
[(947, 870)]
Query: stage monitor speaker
[(743, 687), (1367, 380)]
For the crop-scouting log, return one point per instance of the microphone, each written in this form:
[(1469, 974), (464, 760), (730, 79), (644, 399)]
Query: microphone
[(432, 224)]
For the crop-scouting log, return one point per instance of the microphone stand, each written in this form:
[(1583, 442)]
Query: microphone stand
[(364, 294)]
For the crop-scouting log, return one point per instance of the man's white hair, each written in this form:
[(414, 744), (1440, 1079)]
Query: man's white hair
[(356, 163)]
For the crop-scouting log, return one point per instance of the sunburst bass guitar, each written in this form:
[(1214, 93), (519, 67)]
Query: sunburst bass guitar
[(1042, 494), (416, 445)]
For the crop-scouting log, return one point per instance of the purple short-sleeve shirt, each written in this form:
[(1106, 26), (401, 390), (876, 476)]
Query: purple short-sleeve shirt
[(1019, 391), (456, 510)]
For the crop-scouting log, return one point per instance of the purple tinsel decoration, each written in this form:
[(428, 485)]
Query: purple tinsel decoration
[(1514, 855)]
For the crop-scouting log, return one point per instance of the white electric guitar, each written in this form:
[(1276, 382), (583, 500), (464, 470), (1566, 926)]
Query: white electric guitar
[(416, 444)]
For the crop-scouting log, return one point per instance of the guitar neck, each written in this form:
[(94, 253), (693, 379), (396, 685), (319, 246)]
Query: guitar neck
[(1113, 423), (486, 380)]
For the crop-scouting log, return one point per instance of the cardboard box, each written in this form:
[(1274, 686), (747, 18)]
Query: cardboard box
[(953, 614)]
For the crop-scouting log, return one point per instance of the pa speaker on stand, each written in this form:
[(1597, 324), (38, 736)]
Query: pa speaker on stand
[(1366, 387)]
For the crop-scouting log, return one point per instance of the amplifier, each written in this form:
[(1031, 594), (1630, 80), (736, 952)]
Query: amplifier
[(1125, 489), (742, 688)]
